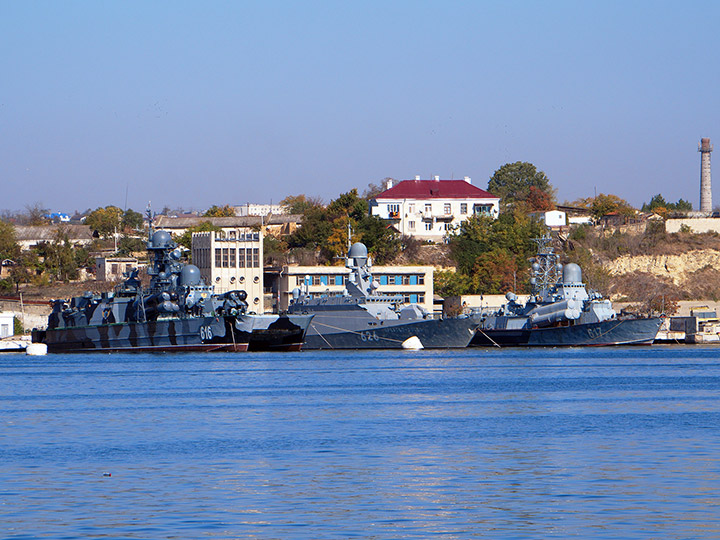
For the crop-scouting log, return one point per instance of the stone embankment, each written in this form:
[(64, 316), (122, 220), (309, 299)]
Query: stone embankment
[(674, 267)]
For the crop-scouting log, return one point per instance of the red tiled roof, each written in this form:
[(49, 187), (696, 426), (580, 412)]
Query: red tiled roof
[(435, 189)]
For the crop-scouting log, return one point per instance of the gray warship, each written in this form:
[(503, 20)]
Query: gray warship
[(561, 312), (178, 312), (362, 319)]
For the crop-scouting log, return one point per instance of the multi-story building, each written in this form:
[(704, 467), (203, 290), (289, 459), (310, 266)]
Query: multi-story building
[(414, 283), (250, 209), (430, 209), (232, 259)]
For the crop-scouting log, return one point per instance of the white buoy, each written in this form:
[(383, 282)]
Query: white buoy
[(412, 343), (36, 349)]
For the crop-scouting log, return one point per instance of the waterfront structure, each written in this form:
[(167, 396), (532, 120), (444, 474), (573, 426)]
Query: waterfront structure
[(705, 148), (430, 209), (413, 283), (7, 324), (232, 259)]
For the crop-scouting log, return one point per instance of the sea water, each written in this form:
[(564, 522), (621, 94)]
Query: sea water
[(476, 443)]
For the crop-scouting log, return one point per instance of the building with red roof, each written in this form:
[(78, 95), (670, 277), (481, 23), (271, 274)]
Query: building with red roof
[(430, 209)]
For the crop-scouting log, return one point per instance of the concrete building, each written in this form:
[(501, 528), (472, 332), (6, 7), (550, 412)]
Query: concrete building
[(112, 268), (272, 225), (414, 283), (28, 236), (7, 324), (430, 209), (250, 209), (232, 259)]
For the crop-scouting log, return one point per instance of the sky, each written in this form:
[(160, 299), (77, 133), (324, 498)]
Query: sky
[(188, 104)]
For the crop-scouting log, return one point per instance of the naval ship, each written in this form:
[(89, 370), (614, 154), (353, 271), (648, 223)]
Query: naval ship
[(362, 319), (561, 312), (177, 312)]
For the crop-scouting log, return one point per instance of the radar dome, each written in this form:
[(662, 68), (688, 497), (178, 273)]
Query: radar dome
[(572, 273), (189, 275), (358, 250), (161, 239)]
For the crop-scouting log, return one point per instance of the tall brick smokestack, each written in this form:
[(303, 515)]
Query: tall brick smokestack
[(705, 179)]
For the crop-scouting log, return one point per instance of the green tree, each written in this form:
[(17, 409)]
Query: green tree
[(220, 211), (513, 182), (483, 246), (299, 204), (9, 248), (603, 204), (106, 221), (132, 220), (59, 257), (447, 283)]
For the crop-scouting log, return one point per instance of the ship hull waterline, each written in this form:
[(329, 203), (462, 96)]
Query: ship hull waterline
[(197, 334), (600, 334), (328, 332)]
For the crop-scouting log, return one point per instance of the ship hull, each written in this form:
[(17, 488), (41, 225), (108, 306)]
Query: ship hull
[(273, 332), (606, 333), (333, 331)]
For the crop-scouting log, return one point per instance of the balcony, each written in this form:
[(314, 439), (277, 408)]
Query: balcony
[(437, 216)]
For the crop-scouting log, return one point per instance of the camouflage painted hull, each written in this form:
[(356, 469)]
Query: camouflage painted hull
[(206, 334)]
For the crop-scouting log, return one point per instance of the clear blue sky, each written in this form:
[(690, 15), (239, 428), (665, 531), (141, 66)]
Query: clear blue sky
[(197, 103)]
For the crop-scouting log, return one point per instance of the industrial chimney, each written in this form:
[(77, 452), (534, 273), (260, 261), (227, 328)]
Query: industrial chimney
[(705, 179)]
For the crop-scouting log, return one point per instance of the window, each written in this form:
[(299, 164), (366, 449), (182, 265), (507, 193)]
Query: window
[(299, 280), (421, 298), (446, 226), (428, 226), (428, 208), (393, 210), (463, 208), (447, 209), (256, 257), (218, 257), (316, 280), (233, 235), (411, 208), (411, 225), (241, 257), (484, 209), (232, 258), (225, 258), (114, 268), (339, 280), (421, 279)]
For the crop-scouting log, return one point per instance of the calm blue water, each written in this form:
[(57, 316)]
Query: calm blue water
[(587, 443)]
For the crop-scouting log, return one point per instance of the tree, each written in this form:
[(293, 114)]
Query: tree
[(132, 220), (106, 221), (299, 204), (220, 211), (35, 214), (603, 204), (9, 248), (512, 183), (59, 256), (373, 190), (660, 206), (491, 252)]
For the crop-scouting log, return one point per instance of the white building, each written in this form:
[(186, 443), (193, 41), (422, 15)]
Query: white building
[(414, 283), (113, 268), (429, 209), (7, 325), (232, 259), (250, 209)]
